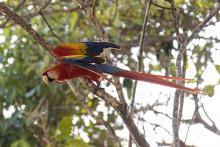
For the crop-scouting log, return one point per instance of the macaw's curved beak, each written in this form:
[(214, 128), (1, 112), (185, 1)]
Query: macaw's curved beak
[(45, 79)]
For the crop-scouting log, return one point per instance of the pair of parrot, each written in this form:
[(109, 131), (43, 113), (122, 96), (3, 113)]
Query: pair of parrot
[(82, 59)]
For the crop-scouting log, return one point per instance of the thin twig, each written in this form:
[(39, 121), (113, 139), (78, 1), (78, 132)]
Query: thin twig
[(104, 37), (19, 5), (128, 120), (19, 20), (98, 25), (194, 116), (175, 21), (141, 50), (182, 49), (213, 123), (29, 16), (198, 28), (51, 30), (100, 121), (175, 120)]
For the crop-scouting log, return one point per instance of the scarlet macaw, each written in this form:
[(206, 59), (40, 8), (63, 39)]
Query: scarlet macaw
[(66, 71), (81, 60)]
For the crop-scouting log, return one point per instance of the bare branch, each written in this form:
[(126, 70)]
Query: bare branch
[(95, 21), (29, 16), (100, 121), (198, 28), (104, 37), (141, 50), (19, 20), (6, 21), (179, 72), (51, 30), (121, 108), (175, 21)]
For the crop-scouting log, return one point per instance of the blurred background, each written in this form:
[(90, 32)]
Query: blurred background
[(35, 114)]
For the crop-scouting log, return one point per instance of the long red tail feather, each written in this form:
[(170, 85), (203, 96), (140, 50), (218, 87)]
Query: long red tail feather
[(157, 80)]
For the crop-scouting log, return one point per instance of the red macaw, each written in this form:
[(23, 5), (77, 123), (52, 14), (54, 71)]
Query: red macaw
[(80, 59)]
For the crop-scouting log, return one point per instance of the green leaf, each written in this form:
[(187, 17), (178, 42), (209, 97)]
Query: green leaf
[(111, 117), (178, 2), (117, 21), (89, 103), (73, 20), (209, 90), (127, 83), (156, 67), (203, 3), (83, 110), (20, 143), (77, 142), (217, 67), (7, 32), (162, 3), (65, 126)]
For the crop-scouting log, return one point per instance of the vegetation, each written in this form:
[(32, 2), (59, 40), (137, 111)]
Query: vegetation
[(35, 114)]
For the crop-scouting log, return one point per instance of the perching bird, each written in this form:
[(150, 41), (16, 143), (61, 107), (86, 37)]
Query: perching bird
[(82, 59), (94, 72)]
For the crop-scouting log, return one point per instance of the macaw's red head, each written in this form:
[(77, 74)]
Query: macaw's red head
[(55, 73), (63, 71)]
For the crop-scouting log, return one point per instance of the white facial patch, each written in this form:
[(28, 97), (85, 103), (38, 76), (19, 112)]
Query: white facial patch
[(52, 74)]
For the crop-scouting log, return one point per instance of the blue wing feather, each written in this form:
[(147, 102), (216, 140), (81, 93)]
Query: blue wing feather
[(100, 68), (96, 48), (87, 59)]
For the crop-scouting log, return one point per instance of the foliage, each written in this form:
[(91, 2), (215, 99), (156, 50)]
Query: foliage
[(43, 115)]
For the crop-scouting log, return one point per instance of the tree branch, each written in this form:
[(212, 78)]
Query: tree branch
[(51, 30), (140, 62), (199, 27), (19, 20), (179, 71), (100, 121), (104, 37), (121, 109)]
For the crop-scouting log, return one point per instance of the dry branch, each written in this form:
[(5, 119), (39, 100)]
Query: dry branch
[(179, 71), (140, 61)]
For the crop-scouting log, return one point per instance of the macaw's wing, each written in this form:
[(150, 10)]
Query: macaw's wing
[(76, 49), (157, 79), (84, 59), (85, 65)]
